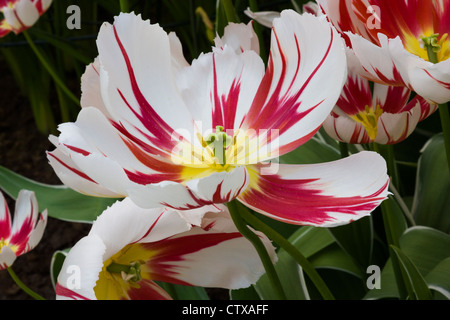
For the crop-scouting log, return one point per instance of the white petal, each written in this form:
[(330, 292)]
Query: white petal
[(303, 81), (7, 257), (81, 268), (232, 263), (219, 187), (138, 85), (241, 37), (135, 224)]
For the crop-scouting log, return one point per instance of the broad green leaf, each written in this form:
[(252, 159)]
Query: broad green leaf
[(334, 257), (244, 294), (395, 218), (426, 247), (309, 241), (180, 292), (415, 284), (60, 201), (438, 279), (56, 264), (431, 203), (315, 150), (388, 287), (356, 239)]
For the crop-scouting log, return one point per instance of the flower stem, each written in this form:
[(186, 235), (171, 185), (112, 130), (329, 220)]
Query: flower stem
[(259, 246), (124, 6), (23, 286), (344, 149), (388, 216), (50, 69), (230, 12), (292, 251), (445, 123), (443, 108)]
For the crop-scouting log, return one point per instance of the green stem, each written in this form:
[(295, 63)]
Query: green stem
[(292, 251), (344, 149), (23, 286), (445, 123), (230, 12), (393, 241), (443, 108), (49, 68), (387, 152), (259, 246), (124, 6)]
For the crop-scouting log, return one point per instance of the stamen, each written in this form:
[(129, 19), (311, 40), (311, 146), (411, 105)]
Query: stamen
[(131, 272)]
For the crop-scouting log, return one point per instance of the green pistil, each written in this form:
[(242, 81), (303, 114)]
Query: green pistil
[(219, 141), (131, 272), (432, 46)]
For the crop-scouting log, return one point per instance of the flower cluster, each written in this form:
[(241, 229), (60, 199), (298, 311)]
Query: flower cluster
[(192, 152)]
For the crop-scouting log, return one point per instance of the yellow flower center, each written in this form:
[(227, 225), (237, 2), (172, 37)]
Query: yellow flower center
[(369, 119), (429, 43), (121, 272), (5, 243), (220, 151)]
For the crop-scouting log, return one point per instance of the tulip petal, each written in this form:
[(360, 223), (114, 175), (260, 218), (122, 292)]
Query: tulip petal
[(138, 87), (7, 257), (5, 219), (328, 194), (302, 82)]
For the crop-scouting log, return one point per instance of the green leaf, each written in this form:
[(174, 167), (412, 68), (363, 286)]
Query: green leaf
[(415, 284), (426, 247), (438, 279), (60, 201), (316, 150), (356, 239), (431, 197), (309, 241), (180, 292), (244, 294), (56, 264)]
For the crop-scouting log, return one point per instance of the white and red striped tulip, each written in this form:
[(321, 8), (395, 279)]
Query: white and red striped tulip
[(20, 15), (385, 116), (147, 115), (21, 235), (159, 245), (387, 38)]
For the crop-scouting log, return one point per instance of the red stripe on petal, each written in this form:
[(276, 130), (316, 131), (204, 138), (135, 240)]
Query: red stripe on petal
[(5, 221), (163, 264), (298, 201), (64, 292), (147, 290), (76, 171), (148, 116)]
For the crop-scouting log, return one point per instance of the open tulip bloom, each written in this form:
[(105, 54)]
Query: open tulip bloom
[(20, 15), (400, 42), (21, 235), (129, 248), (384, 116), (171, 134)]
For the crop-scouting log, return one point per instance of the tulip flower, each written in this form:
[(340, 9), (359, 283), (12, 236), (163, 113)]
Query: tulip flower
[(401, 43), (386, 116), (167, 133), (129, 249), (20, 15), (25, 232)]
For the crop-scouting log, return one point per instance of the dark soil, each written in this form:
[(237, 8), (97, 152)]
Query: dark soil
[(22, 150)]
